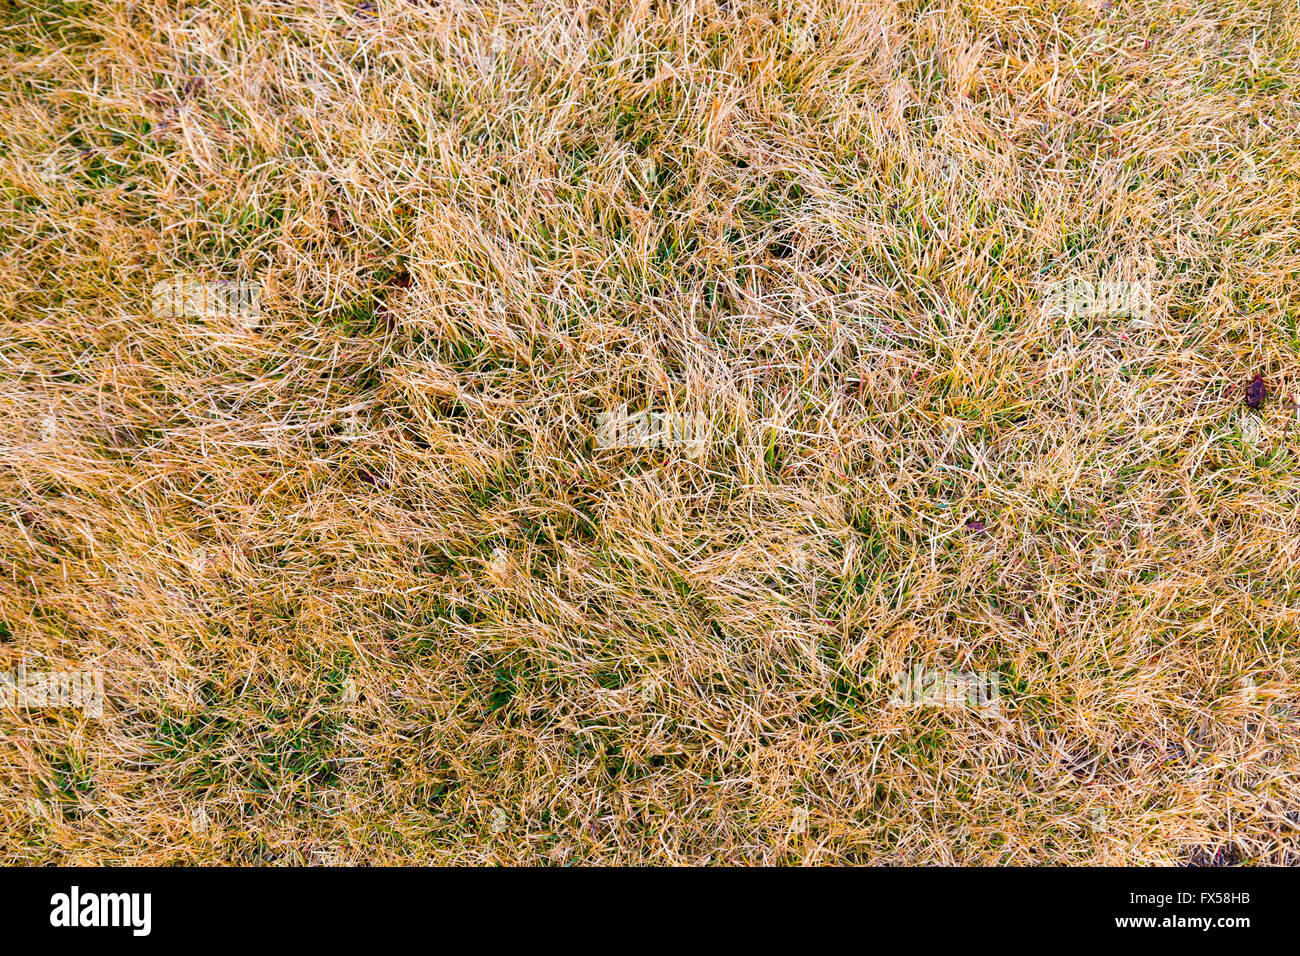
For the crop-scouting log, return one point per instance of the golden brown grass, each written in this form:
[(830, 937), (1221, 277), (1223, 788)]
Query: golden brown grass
[(363, 586)]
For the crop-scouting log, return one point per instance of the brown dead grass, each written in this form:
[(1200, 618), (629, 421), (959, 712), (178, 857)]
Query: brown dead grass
[(363, 587)]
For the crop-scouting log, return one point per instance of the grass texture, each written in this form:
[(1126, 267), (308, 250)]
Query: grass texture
[(364, 585)]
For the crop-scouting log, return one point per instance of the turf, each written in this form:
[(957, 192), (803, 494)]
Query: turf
[(364, 580)]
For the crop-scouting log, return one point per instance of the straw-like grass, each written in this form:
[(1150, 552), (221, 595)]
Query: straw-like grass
[(361, 578)]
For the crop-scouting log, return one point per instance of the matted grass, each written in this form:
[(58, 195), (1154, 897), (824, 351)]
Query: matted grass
[(364, 586)]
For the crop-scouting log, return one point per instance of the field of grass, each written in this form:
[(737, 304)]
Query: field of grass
[(364, 584)]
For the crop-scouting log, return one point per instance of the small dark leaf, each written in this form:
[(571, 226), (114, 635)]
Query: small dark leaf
[(1256, 391), (975, 526)]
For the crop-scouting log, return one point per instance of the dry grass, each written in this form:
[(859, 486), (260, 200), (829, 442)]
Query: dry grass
[(822, 226)]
